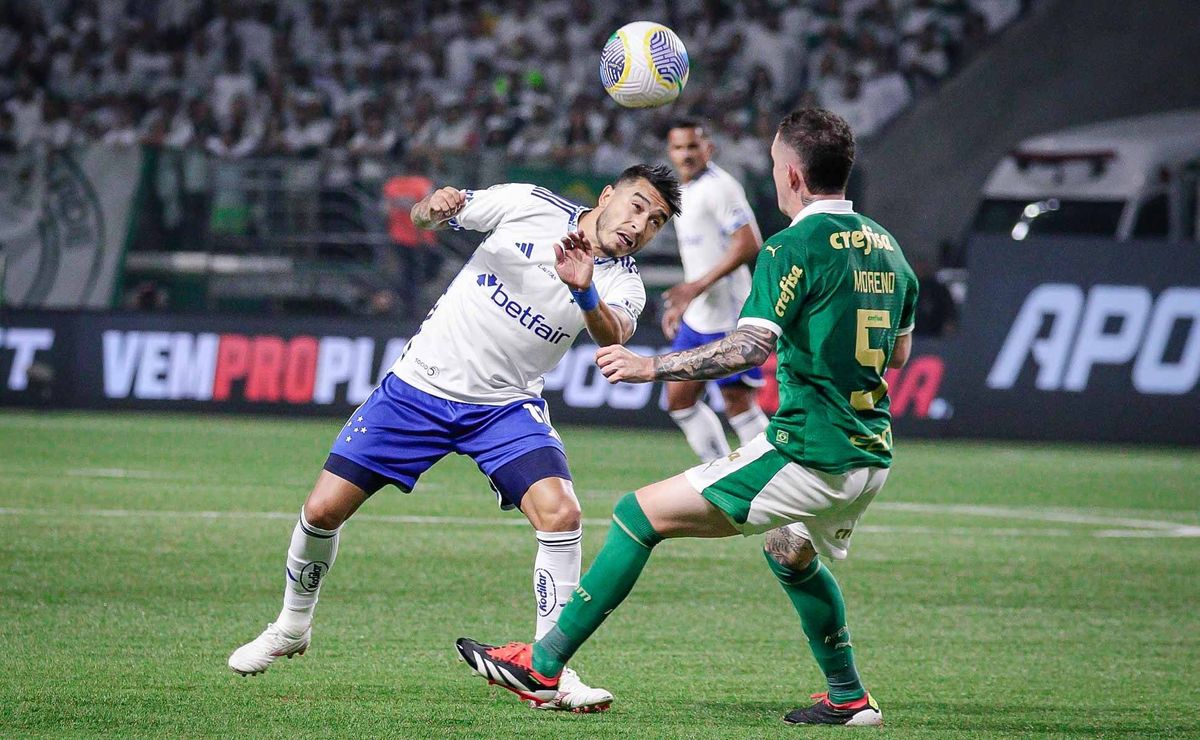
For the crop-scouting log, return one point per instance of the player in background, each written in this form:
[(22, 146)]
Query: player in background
[(470, 382), (717, 237), (834, 296)]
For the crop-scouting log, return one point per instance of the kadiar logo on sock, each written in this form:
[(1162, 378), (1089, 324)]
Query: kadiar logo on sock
[(310, 577), (546, 590)]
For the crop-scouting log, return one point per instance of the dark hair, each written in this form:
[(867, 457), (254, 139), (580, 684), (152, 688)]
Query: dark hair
[(687, 123), (663, 180), (825, 145)]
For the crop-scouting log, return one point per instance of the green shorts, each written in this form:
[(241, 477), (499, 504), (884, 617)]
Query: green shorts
[(759, 490)]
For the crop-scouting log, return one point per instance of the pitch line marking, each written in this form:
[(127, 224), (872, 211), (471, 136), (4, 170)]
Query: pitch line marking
[(1063, 515), (1174, 530), (1097, 515)]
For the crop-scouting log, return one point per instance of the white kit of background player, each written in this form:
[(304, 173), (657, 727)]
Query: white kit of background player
[(718, 236)]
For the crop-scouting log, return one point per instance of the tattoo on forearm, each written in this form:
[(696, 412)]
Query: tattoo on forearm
[(745, 348)]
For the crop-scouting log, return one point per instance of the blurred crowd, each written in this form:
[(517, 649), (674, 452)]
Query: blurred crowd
[(360, 83)]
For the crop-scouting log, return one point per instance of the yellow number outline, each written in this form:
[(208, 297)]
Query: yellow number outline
[(868, 356)]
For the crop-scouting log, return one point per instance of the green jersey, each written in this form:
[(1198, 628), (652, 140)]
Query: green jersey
[(836, 288)]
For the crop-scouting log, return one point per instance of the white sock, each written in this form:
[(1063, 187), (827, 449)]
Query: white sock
[(309, 558), (555, 575), (703, 431), (749, 424)]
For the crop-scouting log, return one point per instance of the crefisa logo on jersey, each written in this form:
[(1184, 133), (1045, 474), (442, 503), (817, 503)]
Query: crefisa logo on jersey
[(546, 590), (526, 318)]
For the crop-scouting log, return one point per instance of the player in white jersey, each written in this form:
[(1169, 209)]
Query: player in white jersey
[(470, 382), (717, 237)]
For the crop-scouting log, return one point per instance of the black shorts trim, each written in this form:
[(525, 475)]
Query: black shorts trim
[(514, 478), (365, 478)]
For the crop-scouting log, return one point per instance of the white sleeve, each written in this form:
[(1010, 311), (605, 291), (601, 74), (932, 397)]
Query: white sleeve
[(626, 293), (487, 209), (733, 210)]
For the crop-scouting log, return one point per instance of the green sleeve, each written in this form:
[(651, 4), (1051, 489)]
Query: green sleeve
[(779, 285)]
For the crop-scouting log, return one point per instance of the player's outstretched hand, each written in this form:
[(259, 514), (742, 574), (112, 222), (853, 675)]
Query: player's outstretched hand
[(445, 204), (671, 317), (573, 260), (675, 302), (619, 364), (682, 295)]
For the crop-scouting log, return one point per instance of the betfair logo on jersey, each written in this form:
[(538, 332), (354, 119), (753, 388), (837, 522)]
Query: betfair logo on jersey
[(533, 322), (864, 239), (787, 290)]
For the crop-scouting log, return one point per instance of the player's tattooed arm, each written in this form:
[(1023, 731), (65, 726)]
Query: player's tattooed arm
[(435, 210), (745, 348)]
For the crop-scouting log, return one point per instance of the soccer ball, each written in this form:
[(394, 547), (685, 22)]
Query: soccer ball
[(644, 65)]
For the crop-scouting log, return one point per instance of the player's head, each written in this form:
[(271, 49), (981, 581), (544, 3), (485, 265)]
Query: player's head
[(632, 210), (812, 154), (689, 147)]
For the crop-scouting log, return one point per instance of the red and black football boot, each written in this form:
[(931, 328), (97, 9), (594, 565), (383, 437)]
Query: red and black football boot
[(509, 666), (862, 712)]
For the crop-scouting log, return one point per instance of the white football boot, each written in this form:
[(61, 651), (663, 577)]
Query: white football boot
[(257, 656), (576, 696)]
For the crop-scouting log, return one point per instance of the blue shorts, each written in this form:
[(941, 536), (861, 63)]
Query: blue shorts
[(689, 338), (400, 432)]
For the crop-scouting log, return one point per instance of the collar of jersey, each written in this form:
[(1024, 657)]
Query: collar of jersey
[(824, 206), (573, 221)]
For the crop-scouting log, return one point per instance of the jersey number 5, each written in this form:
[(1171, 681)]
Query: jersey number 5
[(868, 356)]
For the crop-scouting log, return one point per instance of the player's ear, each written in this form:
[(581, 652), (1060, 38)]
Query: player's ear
[(795, 179), (605, 196)]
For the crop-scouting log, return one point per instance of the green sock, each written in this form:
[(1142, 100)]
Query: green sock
[(602, 588), (818, 600)]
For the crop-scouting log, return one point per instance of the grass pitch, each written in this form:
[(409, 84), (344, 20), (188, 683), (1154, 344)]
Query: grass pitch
[(993, 589)]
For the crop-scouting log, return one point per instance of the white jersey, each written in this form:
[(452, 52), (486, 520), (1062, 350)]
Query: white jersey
[(714, 206), (507, 319)]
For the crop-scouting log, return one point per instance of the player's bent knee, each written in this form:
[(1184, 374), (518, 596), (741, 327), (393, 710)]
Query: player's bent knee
[(564, 516), (789, 549), (551, 506), (631, 519), (737, 403), (683, 395), (322, 514), (332, 501)]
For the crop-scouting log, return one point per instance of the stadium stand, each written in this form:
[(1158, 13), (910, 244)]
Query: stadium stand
[(240, 79), (273, 126)]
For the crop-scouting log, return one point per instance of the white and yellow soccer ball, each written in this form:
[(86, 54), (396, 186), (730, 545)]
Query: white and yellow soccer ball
[(644, 65)]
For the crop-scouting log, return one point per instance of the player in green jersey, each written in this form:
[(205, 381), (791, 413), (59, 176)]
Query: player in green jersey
[(834, 296)]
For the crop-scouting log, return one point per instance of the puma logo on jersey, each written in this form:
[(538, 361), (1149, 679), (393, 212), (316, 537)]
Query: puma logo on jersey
[(772, 250)]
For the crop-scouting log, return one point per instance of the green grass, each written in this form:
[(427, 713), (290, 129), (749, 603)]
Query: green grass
[(120, 601)]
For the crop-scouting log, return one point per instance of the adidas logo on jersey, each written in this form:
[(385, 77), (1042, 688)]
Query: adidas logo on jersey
[(526, 318), (525, 248)]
